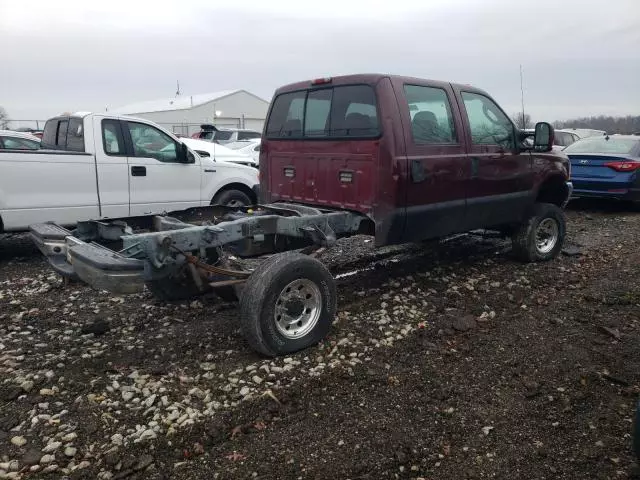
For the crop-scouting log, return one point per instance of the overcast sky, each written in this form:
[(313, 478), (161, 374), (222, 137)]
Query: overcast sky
[(579, 57)]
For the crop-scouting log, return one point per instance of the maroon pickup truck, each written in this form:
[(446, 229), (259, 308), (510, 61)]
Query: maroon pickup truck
[(401, 159), (419, 158)]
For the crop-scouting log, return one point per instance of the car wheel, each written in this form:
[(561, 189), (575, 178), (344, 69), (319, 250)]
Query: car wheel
[(541, 236), (232, 198), (287, 304)]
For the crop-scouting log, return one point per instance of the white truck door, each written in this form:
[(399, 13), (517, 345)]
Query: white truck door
[(157, 181), (49, 185), (113, 167)]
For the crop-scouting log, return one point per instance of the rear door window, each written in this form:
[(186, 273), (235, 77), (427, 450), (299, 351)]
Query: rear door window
[(75, 135), (61, 136), (344, 111), (431, 118)]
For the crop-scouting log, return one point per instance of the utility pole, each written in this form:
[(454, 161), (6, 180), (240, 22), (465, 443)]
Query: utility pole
[(178, 89), (522, 98)]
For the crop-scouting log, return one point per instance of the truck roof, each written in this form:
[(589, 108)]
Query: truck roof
[(369, 78)]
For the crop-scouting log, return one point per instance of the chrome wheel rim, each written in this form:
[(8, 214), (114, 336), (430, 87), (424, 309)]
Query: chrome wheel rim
[(298, 308), (547, 235)]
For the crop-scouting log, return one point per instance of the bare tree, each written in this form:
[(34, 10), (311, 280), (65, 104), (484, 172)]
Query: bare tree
[(522, 121), (4, 119)]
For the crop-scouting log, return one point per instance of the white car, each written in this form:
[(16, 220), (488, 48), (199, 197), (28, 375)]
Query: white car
[(219, 153), (248, 147), (10, 140), (99, 166)]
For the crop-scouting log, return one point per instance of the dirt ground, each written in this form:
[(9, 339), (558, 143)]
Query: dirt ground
[(449, 360)]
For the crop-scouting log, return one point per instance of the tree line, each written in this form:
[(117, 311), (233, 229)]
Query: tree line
[(628, 125)]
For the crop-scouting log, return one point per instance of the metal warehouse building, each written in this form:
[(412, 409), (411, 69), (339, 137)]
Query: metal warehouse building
[(185, 113)]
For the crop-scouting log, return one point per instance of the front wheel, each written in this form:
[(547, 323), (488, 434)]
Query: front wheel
[(288, 304), (541, 236), (232, 198)]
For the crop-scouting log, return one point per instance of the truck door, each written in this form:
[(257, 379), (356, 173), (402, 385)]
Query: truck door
[(501, 180), (113, 168), (157, 181), (437, 165)]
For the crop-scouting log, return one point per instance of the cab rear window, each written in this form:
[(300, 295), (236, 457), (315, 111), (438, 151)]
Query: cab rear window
[(345, 111)]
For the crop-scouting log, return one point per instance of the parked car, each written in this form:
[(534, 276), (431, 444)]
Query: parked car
[(219, 153), (586, 132), (94, 166), (606, 166), (13, 140), (398, 158), (33, 131), (561, 138), (222, 135), (247, 147)]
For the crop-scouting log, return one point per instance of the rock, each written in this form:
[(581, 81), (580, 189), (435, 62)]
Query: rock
[(150, 400), (487, 430), (244, 391), (70, 451), (31, 457), (50, 468), (52, 447), (148, 435), (47, 392), (571, 250), (256, 379), (48, 458), (463, 324), (18, 441), (69, 437), (117, 439), (143, 462), (126, 396), (99, 327), (27, 385), (614, 332)]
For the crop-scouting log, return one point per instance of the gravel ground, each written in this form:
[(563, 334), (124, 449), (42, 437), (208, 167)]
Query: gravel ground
[(448, 360)]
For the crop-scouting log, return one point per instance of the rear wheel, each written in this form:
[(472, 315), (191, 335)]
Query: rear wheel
[(287, 304), (542, 235), (232, 198)]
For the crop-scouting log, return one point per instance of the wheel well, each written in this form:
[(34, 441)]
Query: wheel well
[(553, 190), (240, 187)]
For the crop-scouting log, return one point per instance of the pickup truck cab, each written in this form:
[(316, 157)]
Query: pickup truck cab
[(95, 166), (420, 158)]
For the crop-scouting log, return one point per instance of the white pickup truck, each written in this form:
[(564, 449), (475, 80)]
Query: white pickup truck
[(95, 166)]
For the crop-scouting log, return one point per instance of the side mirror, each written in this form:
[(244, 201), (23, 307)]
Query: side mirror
[(184, 156), (543, 137)]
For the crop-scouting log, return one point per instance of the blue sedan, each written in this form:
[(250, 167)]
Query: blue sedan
[(607, 166)]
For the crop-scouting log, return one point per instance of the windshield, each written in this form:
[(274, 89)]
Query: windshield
[(222, 135), (603, 145)]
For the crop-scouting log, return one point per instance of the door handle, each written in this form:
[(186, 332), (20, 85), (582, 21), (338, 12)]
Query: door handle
[(209, 170), (418, 173), (475, 162), (137, 171)]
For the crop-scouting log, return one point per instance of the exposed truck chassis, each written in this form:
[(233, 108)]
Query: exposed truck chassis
[(287, 299), (182, 254)]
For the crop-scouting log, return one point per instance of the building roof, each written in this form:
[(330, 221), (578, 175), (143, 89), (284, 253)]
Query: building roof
[(183, 102)]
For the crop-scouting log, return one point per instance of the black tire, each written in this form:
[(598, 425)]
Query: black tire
[(232, 198), (525, 245), (263, 290)]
